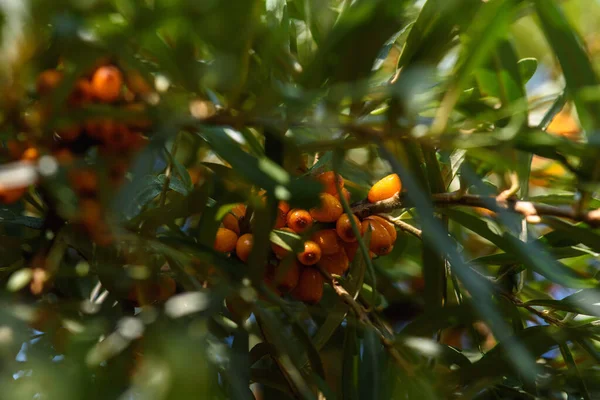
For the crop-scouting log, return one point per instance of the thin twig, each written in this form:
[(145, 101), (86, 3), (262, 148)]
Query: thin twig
[(404, 226)]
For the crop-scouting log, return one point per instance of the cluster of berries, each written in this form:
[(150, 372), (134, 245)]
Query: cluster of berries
[(328, 234)]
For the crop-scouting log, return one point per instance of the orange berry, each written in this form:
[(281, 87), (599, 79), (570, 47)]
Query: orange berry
[(337, 263), (117, 137), (243, 246), (311, 253), (351, 249), (231, 222), (137, 83), (343, 226), (389, 227), (225, 240), (30, 154), (381, 243), (117, 171), (385, 188), (328, 179), (279, 251), (330, 209), (90, 214), (328, 241), (48, 80), (84, 181), (346, 194), (280, 221), (285, 277), (81, 93), (63, 156), (310, 286), (299, 220), (239, 210), (284, 207), (69, 133), (9, 196), (106, 83)]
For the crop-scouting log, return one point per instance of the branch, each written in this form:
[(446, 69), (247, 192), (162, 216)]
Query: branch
[(529, 209)]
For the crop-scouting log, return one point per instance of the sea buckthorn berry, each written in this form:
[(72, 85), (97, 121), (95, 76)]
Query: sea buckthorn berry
[(239, 210), (285, 277), (243, 246), (330, 209), (279, 251), (328, 241), (48, 81), (81, 94), (231, 222), (384, 189), (84, 181), (64, 156), (310, 286), (69, 133), (346, 194), (225, 240), (328, 179), (90, 213), (389, 227), (284, 207), (381, 243), (311, 253), (299, 220), (137, 83), (106, 83), (9, 196), (118, 139), (281, 219), (343, 226), (351, 249), (30, 154), (336, 264)]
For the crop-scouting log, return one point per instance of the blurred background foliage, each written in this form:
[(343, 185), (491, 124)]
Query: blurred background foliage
[(475, 104)]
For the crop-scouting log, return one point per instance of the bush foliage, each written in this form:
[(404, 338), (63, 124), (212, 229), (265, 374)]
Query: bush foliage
[(132, 130)]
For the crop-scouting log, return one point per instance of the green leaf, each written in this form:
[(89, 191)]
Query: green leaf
[(9, 217), (527, 68), (288, 240), (577, 233)]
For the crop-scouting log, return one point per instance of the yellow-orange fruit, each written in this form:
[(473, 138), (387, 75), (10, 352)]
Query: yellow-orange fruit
[(239, 210), (299, 220), (231, 222), (69, 133), (381, 243), (337, 263), (351, 249), (81, 94), (311, 253), (30, 154), (286, 280), (279, 251), (284, 207), (225, 240), (281, 219), (106, 83), (346, 194), (389, 227), (84, 181), (328, 241), (9, 196), (330, 209), (384, 189), (343, 227), (329, 179), (243, 246), (48, 80), (310, 286)]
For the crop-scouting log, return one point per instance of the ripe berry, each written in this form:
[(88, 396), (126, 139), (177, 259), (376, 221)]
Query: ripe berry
[(328, 179), (231, 222), (299, 220), (337, 263), (384, 189), (90, 213), (30, 154), (310, 286), (389, 227), (329, 211), (346, 194), (285, 277), (381, 243), (284, 207), (117, 137), (9, 196), (225, 240), (81, 94), (311, 253), (239, 210), (106, 83), (328, 241), (48, 80), (351, 248), (281, 219), (243, 246), (279, 251), (343, 226), (69, 133), (84, 181)]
